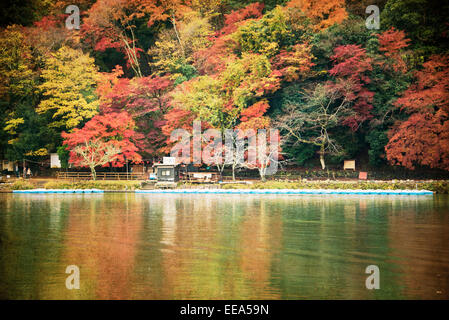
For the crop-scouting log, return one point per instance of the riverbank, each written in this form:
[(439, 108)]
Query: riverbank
[(438, 187), (123, 185)]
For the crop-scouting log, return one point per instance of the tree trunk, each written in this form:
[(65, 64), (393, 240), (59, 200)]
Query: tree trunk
[(233, 172), (178, 37), (323, 164), (94, 173), (220, 169)]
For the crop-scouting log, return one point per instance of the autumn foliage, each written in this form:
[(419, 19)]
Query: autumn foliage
[(323, 13), (145, 99), (114, 131), (136, 70), (423, 139), (351, 65), (391, 42)]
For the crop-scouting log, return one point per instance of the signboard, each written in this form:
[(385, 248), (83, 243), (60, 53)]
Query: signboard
[(7, 165), (54, 161), (169, 161), (349, 164)]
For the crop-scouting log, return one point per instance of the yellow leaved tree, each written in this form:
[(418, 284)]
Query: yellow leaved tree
[(70, 78), (16, 65), (174, 48)]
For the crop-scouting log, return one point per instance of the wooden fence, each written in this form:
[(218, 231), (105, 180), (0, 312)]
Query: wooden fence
[(102, 176)]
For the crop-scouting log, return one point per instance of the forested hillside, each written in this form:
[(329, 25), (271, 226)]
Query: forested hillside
[(136, 70)]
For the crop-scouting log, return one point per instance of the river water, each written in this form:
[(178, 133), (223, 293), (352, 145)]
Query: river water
[(149, 246)]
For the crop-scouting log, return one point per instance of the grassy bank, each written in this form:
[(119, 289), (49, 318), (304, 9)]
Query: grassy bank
[(100, 184), (440, 187), (21, 184)]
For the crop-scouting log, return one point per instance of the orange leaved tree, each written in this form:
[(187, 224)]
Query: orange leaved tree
[(424, 137)]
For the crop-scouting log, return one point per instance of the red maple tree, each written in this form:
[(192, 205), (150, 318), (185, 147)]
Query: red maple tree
[(351, 65), (105, 140), (109, 25), (391, 43), (146, 99), (294, 63), (424, 137)]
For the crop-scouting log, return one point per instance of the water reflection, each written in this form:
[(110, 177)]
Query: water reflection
[(137, 246)]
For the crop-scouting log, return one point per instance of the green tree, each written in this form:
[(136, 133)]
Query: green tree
[(424, 21), (64, 156), (28, 134), (266, 35)]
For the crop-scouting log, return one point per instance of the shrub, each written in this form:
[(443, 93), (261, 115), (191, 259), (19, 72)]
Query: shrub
[(21, 184), (235, 186), (441, 187), (90, 184)]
